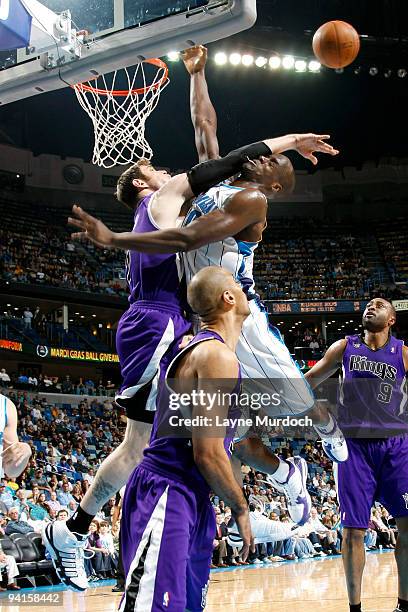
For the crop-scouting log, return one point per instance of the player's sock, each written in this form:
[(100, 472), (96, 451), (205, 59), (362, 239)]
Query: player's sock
[(355, 607), (282, 471), (403, 604), (80, 521)]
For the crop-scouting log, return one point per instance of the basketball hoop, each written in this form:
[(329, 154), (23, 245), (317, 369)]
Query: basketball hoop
[(119, 115)]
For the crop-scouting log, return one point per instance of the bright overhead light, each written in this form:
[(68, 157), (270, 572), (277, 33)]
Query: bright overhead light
[(8, 305), (314, 66), (300, 66), (288, 62), (82, 317), (173, 56), (77, 313), (373, 71), (402, 73), (261, 61), (220, 58), (94, 315), (275, 62), (387, 74), (247, 60), (235, 59)]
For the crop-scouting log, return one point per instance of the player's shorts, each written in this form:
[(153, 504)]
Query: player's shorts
[(167, 534), (376, 470), (148, 332), (263, 355)]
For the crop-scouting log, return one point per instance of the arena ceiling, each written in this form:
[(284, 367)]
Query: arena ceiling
[(364, 114)]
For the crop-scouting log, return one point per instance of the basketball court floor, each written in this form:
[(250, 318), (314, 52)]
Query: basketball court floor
[(317, 585)]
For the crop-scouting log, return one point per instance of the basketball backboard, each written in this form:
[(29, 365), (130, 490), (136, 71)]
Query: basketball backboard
[(122, 33)]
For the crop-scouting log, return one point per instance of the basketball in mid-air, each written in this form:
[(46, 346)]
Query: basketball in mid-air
[(336, 44)]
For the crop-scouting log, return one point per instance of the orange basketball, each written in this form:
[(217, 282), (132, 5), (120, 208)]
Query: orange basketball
[(336, 44)]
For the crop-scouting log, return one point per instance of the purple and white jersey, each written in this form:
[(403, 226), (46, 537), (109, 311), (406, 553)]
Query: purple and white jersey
[(372, 392), (172, 457), (153, 278)]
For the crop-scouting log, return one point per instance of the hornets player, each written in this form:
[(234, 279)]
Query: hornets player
[(14, 455), (373, 415)]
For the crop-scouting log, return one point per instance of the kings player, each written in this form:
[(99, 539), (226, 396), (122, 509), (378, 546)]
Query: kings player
[(373, 416)]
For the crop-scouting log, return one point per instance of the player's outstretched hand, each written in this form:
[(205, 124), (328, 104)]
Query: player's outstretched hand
[(91, 228), (308, 144), (194, 59), (244, 529)]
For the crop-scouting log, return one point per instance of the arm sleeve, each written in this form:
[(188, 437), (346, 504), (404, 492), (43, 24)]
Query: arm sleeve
[(209, 173)]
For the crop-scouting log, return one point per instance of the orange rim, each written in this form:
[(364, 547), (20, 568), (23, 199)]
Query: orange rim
[(125, 92)]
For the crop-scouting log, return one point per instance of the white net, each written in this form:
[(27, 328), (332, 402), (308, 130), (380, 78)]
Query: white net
[(118, 106)]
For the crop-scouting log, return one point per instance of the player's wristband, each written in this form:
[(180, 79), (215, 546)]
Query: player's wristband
[(209, 173)]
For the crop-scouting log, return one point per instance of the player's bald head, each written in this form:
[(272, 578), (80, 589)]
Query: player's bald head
[(206, 290)]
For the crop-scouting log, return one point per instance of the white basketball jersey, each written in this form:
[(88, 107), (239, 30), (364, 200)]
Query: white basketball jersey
[(234, 255), (3, 423)]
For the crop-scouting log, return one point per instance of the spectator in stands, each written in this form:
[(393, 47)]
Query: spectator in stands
[(4, 378), (322, 538), (15, 525), (386, 536), (20, 502), (9, 563), (72, 506), (77, 492), (110, 557), (220, 542), (95, 566), (32, 382), (40, 480), (53, 503), (62, 515), (64, 496), (27, 317), (38, 507), (67, 386), (36, 318), (314, 345)]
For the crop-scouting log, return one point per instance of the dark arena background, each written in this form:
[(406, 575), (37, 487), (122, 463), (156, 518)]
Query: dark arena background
[(338, 241)]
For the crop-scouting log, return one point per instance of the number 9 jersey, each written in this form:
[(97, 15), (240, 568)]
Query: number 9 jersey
[(372, 396)]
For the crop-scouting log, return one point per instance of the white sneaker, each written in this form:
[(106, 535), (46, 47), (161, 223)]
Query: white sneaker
[(256, 562), (334, 444), (336, 449), (266, 561), (294, 489), (67, 554)]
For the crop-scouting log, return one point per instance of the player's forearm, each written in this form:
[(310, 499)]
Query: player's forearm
[(281, 143), (203, 117), (162, 241), (217, 471), (252, 452)]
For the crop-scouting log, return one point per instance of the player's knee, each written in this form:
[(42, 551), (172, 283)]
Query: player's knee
[(353, 537)]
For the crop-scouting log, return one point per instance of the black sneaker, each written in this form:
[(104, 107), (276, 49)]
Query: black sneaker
[(118, 588)]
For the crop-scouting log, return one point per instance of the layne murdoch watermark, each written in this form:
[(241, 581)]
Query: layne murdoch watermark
[(175, 420)]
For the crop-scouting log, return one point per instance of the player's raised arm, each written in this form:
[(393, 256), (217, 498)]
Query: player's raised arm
[(166, 203), (245, 208), (327, 365), (203, 115), (15, 454), (210, 455)]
